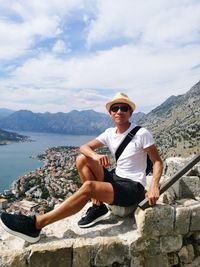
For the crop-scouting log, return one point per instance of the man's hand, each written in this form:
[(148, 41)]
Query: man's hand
[(103, 160), (153, 194)]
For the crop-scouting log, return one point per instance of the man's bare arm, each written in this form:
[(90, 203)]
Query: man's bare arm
[(88, 150), (153, 191)]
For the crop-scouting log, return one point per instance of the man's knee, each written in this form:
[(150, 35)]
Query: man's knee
[(89, 169), (81, 161)]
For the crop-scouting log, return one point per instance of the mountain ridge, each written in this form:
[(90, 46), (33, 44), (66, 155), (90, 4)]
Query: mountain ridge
[(4, 112), (174, 123), (84, 122)]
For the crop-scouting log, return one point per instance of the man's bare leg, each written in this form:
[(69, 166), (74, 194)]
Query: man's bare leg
[(92, 176), (90, 189), (29, 228), (89, 170)]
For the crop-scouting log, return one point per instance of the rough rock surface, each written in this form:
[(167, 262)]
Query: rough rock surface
[(68, 229)]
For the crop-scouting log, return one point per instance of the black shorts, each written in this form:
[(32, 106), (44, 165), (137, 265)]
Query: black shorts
[(126, 191)]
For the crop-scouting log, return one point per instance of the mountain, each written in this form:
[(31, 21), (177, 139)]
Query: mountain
[(136, 117), (74, 122), (4, 112), (86, 122), (175, 124)]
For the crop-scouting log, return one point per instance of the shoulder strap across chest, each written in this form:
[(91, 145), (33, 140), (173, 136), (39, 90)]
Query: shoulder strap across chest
[(125, 142)]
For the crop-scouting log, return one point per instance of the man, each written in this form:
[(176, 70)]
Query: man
[(123, 186)]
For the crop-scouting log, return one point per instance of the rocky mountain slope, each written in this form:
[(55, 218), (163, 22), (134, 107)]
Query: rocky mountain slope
[(175, 124)]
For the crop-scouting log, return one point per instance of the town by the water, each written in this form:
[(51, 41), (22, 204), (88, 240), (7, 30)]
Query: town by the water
[(46, 187), (170, 230)]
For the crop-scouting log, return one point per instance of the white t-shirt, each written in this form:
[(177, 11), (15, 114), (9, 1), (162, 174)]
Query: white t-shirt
[(132, 162)]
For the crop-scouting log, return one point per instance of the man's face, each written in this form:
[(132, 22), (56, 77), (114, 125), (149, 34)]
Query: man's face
[(120, 113)]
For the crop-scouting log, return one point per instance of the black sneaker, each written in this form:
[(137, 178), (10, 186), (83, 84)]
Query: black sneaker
[(93, 215), (21, 226)]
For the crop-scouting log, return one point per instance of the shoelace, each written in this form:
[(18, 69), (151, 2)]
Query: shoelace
[(89, 210), (84, 215)]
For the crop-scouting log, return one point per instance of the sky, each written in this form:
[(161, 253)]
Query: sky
[(61, 55)]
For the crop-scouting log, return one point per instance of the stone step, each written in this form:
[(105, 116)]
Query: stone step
[(122, 211)]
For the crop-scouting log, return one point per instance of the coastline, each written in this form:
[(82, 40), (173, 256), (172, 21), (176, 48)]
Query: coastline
[(16, 159), (42, 189), (3, 143), (45, 186), (8, 137), (25, 140)]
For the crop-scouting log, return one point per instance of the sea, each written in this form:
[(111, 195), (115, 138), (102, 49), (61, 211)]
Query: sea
[(17, 159)]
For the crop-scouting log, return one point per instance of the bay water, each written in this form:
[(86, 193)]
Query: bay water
[(16, 158)]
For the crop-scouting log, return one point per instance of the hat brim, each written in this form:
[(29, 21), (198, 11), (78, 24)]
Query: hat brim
[(120, 100)]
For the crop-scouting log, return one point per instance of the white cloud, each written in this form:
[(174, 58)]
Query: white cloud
[(138, 71), (23, 22), (160, 49), (31, 9), (17, 38), (154, 21), (60, 47)]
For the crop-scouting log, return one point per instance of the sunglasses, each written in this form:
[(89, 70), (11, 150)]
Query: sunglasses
[(123, 108)]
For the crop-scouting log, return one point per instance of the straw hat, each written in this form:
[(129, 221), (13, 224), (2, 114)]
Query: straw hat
[(120, 98)]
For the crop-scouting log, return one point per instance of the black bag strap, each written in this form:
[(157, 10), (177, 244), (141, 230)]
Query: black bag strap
[(125, 142)]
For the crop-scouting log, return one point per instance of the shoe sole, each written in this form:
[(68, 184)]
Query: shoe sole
[(23, 236), (105, 216)]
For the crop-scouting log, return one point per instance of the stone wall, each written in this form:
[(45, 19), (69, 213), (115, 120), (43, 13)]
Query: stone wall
[(170, 234), (165, 235)]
